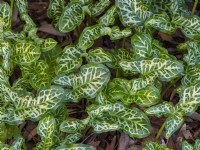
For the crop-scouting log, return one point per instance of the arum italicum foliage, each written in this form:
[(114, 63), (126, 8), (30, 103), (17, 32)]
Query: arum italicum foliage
[(110, 79)]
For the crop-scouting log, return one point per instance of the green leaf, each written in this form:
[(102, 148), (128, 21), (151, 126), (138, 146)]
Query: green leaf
[(70, 126), (159, 110), (99, 6), (73, 138), (173, 124), (51, 57), (39, 78), (161, 22), (46, 129), (193, 56), (5, 15), (132, 12), (187, 146), (18, 143), (29, 107), (90, 34), (90, 80), (3, 133), (69, 61), (75, 147), (142, 44), (192, 75), (189, 26), (179, 7), (109, 17), (25, 53), (48, 44), (98, 55), (132, 121), (197, 144), (119, 55), (71, 17), (55, 8), (117, 34), (154, 146), (122, 89), (22, 6), (164, 69)]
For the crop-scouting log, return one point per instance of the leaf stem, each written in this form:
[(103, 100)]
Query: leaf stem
[(11, 9), (123, 42), (170, 85), (194, 7), (160, 130)]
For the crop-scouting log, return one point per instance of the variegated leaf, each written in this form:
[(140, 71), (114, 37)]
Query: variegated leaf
[(90, 80), (90, 34), (18, 143), (71, 17), (187, 146), (48, 44), (50, 57), (55, 8), (193, 56), (72, 126), (98, 55), (46, 129), (164, 69), (157, 6), (109, 17), (132, 121), (173, 124), (179, 7), (29, 107), (25, 53), (189, 26), (76, 147), (192, 75), (70, 60), (117, 34), (197, 144), (142, 44), (119, 55), (5, 15), (132, 12), (122, 89), (72, 138), (22, 6), (161, 22), (159, 110), (99, 6), (39, 78), (154, 146), (29, 22)]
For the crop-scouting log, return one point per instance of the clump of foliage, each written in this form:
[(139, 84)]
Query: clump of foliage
[(52, 76)]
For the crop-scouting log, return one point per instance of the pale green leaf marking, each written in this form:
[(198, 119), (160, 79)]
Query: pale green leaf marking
[(117, 34), (71, 17), (25, 53), (132, 12), (69, 61), (90, 80)]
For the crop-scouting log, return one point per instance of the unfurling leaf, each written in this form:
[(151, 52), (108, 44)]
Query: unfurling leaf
[(117, 34)]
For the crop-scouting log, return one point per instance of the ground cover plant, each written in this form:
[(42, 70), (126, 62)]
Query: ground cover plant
[(86, 70)]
